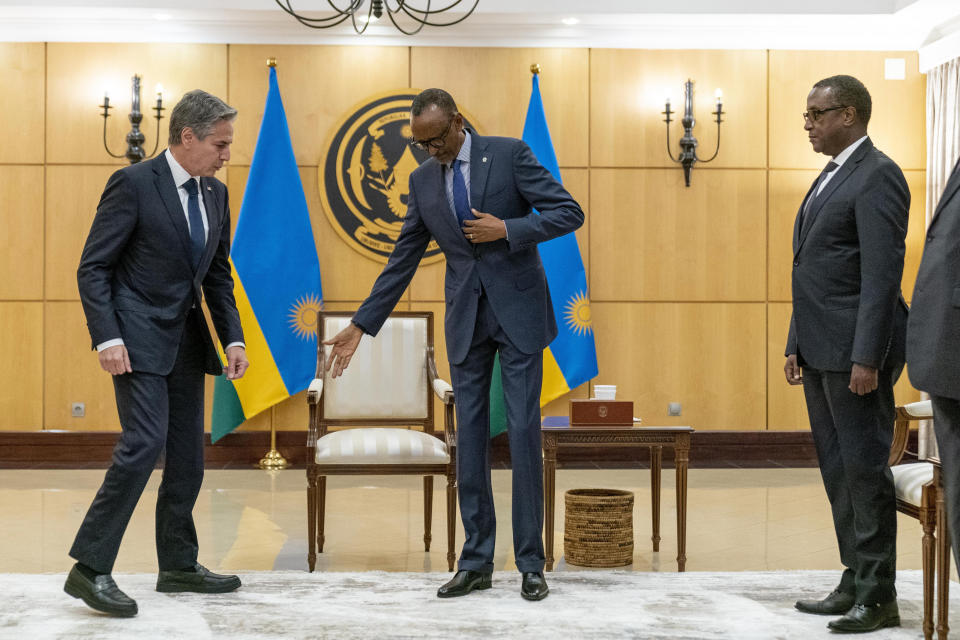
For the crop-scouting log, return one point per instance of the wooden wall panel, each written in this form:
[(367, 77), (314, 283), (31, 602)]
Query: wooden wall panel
[(78, 74), (21, 243), (21, 379), (73, 373), (897, 125), (627, 93), (787, 189), (708, 356), (493, 86), (786, 408), (23, 81), (73, 193), (318, 84), (651, 238), (916, 230), (427, 284)]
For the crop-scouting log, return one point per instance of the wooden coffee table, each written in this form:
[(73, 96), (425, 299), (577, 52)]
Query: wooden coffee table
[(558, 434)]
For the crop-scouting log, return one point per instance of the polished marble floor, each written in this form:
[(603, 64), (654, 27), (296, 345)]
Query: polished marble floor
[(738, 520)]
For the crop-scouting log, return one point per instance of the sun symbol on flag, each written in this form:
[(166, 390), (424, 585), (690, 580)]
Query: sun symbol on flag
[(304, 315), (577, 314)]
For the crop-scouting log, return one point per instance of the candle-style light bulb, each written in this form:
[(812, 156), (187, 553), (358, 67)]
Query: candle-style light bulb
[(668, 96), (159, 91), (719, 94)]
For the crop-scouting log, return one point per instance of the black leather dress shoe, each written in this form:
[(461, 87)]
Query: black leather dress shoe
[(200, 580), (100, 593), (464, 582), (534, 586), (867, 617), (835, 604)]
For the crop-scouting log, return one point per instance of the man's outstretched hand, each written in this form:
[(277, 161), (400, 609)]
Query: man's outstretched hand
[(344, 345)]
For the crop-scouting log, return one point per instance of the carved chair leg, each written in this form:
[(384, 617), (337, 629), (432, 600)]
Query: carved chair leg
[(311, 521), (928, 563), (321, 507), (427, 511), (451, 518), (943, 568)]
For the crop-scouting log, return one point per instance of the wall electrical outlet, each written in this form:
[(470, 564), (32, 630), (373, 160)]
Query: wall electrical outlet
[(78, 409), (673, 409)]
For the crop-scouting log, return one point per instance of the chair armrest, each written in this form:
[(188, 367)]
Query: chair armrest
[(315, 390), (443, 390), (917, 410), (441, 387), (901, 427)]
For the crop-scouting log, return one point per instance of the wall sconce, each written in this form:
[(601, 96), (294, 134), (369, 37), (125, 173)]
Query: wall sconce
[(688, 144), (135, 138)]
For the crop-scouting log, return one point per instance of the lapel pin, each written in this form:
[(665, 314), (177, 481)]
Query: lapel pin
[(209, 188), (484, 158)]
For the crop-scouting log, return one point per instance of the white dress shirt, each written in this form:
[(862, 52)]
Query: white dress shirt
[(841, 157)]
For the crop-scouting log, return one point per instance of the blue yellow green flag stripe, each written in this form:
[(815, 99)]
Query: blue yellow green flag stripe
[(571, 359), (276, 278)]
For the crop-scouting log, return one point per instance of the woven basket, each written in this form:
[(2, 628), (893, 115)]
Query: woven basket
[(598, 527)]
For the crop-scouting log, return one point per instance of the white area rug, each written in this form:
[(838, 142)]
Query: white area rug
[(347, 606)]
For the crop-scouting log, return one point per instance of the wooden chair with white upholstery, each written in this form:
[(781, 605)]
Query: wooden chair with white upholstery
[(920, 495), (378, 418)]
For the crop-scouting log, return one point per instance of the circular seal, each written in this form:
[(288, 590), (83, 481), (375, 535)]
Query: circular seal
[(364, 174)]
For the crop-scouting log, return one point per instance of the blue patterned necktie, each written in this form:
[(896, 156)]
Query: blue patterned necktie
[(461, 202), (197, 237)]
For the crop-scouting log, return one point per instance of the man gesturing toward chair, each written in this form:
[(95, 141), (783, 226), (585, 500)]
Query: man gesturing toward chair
[(475, 196), (158, 246), (846, 343)]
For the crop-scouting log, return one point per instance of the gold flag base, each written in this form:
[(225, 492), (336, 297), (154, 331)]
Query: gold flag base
[(273, 460)]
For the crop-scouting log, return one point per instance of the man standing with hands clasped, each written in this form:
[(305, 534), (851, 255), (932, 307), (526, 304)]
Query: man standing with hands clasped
[(846, 344), (475, 196), (159, 244)]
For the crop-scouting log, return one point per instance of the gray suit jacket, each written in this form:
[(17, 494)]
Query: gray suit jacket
[(933, 334), (506, 181), (135, 276), (847, 266)]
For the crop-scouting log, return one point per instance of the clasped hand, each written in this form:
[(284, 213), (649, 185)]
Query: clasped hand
[(485, 228)]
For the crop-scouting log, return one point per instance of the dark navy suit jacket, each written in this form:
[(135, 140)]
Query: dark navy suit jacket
[(506, 181), (847, 266), (135, 276)]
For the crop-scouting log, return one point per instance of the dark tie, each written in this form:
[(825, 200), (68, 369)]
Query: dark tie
[(827, 170), (461, 202), (197, 237)]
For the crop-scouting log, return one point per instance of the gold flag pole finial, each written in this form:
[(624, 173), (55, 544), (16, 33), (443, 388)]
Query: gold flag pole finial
[(535, 69), (271, 62)]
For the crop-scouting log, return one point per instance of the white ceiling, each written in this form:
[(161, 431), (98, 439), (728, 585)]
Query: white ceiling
[(931, 27)]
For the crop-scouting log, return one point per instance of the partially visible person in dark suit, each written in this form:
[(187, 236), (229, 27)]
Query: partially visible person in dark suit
[(846, 343), (476, 197), (933, 340), (158, 246)]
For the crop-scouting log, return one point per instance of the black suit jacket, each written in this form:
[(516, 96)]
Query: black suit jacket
[(847, 267), (933, 334), (135, 276)]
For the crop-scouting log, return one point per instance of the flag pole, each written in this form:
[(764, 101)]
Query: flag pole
[(274, 459)]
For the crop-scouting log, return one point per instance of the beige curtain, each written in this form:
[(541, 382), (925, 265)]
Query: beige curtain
[(943, 149)]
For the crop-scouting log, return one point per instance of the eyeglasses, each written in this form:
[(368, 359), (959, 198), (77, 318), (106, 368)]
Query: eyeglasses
[(433, 143), (814, 114)]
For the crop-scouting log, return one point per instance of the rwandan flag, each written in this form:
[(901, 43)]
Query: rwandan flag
[(276, 278), (571, 359)]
